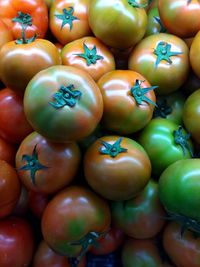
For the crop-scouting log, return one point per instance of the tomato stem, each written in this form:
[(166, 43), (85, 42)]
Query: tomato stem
[(112, 150), (133, 3), (162, 109), (182, 139), (67, 17)]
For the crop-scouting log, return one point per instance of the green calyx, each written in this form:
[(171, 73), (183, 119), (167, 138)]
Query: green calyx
[(133, 3), (139, 93), (25, 20), (90, 55), (112, 150), (32, 164), (65, 96), (162, 109), (67, 17), (162, 28), (163, 52), (182, 139), (88, 240), (185, 222)]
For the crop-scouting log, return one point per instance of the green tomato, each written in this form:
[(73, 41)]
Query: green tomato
[(165, 142)]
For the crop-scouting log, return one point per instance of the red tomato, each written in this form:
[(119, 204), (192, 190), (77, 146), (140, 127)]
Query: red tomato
[(9, 188), (7, 151), (32, 11), (14, 126), (37, 202), (5, 34), (16, 242)]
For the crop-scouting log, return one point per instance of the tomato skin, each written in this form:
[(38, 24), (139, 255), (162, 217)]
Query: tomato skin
[(60, 161), (37, 202), (180, 17), (14, 126), (16, 238), (140, 253), (143, 60), (182, 250), (140, 217), (158, 140), (46, 257), (117, 178), (122, 113), (179, 188), (74, 212), (105, 24), (5, 34), (10, 188), (195, 54), (7, 151), (112, 240), (70, 52), (35, 56), (37, 9), (66, 123), (80, 25)]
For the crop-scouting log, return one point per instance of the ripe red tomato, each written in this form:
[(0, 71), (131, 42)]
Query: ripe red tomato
[(10, 188), (7, 151), (16, 242)]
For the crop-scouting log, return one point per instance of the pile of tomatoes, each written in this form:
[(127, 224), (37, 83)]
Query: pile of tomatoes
[(99, 132)]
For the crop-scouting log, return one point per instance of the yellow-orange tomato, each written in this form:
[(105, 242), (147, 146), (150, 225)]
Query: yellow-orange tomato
[(5, 34)]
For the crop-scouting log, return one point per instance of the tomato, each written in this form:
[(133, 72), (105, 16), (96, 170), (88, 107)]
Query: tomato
[(191, 84), (9, 188), (179, 192), (63, 103), (119, 33), (165, 142), (37, 202), (79, 216), (154, 24), (39, 161), (140, 217), (191, 115), (21, 208), (68, 20), (163, 59), (89, 54), (5, 34), (128, 99), (109, 242), (180, 17), (16, 243), (195, 54), (182, 250), (140, 253), (20, 62), (117, 168), (7, 151), (46, 257), (31, 11), (170, 106), (14, 126)]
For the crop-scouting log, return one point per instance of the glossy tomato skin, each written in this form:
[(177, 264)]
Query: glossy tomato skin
[(20, 62), (109, 243), (5, 34), (179, 188), (46, 257), (7, 151), (158, 139), (119, 177), (140, 217), (39, 161), (16, 238), (14, 126), (54, 117), (96, 63), (191, 115), (123, 112), (182, 250), (10, 188), (75, 213), (37, 9), (118, 33), (147, 59), (140, 253), (195, 54), (68, 20), (180, 17)]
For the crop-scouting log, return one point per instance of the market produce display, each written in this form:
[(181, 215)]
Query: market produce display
[(99, 133)]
